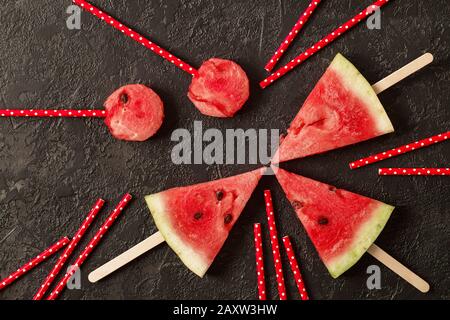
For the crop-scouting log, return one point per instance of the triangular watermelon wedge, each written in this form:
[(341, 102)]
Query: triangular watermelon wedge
[(195, 220), (342, 225), (341, 110)]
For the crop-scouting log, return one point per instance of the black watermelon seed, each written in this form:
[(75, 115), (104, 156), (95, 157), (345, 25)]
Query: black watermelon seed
[(198, 215), (124, 98), (297, 204), (228, 218), (332, 189), (323, 221), (219, 195)]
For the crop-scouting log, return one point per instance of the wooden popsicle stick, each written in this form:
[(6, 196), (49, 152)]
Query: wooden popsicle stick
[(126, 257), (399, 268), (403, 73)]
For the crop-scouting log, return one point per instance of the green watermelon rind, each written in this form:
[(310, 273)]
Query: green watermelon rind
[(358, 85), (366, 236), (188, 255)]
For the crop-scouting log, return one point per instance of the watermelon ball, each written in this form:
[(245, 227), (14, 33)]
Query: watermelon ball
[(220, 89), (134, 113)]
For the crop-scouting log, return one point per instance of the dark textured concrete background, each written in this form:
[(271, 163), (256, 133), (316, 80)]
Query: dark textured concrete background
[(52, 171)]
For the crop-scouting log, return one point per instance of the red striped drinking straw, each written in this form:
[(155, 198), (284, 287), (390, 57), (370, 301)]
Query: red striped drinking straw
[(69, 249), (33, 263), (414, 171), (90, 247), (52, 113), (295, 269), (275, 245), (301, 22), (400, 150), (323, 43), (136, 36), (259, 262)]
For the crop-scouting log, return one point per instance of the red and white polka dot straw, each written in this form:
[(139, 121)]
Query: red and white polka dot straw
[(69, 249), (414, 172), (54, 113), (275, 246), (136, 36), (295, 268), (400, 150), (323, 43), (34, 262), (91, 246), (304, 17), (259, 262)]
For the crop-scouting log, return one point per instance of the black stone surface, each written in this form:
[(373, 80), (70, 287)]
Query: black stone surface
[(51, 171)]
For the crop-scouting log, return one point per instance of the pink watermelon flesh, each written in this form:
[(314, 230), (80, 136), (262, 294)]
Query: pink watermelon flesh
[(134, 113), (195, 220), (220, 89), (341, 110), (342, 225)]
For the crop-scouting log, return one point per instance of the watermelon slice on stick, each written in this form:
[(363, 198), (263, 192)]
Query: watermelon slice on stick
[(194, 221), (343, 109), (342, 225)]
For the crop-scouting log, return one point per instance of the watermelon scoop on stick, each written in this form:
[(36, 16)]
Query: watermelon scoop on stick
[(194, 221), (133, 113), (219, 88), (343, 109), (342, 225)]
